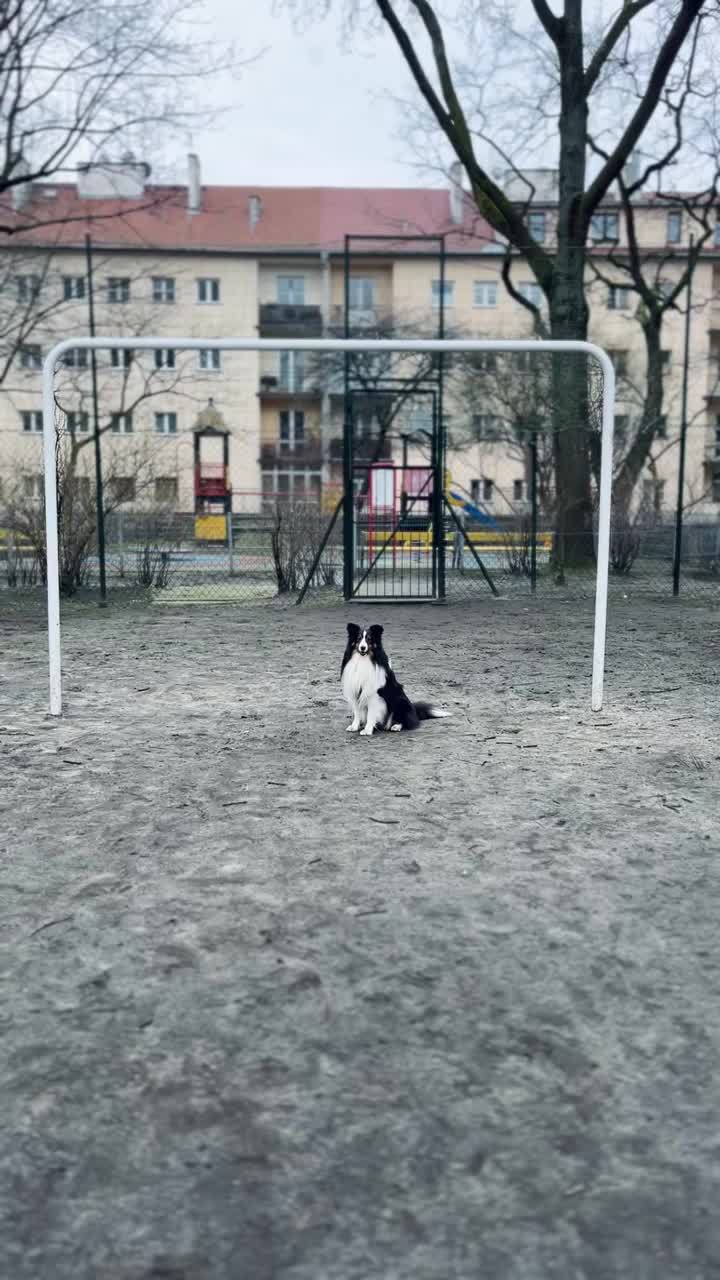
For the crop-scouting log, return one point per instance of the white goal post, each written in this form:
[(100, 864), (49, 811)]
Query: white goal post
[(322, 345)]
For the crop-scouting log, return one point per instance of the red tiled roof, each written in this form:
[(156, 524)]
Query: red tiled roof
[(291, 218)]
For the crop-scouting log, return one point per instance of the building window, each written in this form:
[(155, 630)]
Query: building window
[(77, 420), (717, 437), (674, 226), (163, 289), (619, 297), (621, 428), (121, 358), (28, 288), (485, 293), (664, 288), (523, 361), (33, 486), (531, 292), (31, 419), (518, 490), (208, 289), (292, 429), (661, 430), (121, 424), (291, 291), (474, 490), (122, 489), (438, 287), (665, 360), (605, 226), (536, 226), (300, 485), (653, 492), (31, 357), (166, 490), (361, 294), (73, 288), (488, 490), (486, 426), (717, 234), (715, 485), (164, 358), (620, 362), (76, 358), (210, 361), (118, 289), (165, 424), (292, 370)]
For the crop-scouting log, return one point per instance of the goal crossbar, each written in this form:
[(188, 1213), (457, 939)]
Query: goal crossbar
[(321, 345)]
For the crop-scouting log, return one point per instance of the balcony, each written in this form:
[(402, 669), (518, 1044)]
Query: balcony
[(365, 449), (361, 319), (307, 454), (274, 388), (278, 320)]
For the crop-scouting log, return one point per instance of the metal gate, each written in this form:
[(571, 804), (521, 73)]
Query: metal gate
[(394, 522)]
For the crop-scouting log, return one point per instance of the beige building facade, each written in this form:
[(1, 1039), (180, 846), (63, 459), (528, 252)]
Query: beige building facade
[(213, 262)]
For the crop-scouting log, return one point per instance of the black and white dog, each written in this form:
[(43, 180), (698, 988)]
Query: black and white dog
[(369, 685)]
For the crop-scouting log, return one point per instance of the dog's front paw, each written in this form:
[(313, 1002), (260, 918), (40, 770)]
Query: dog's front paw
[(366, 732), (353, 728)]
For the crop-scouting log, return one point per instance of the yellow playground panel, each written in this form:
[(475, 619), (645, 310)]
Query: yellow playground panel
[(211, 528)]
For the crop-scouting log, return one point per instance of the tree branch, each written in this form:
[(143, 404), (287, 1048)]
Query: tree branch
[(612, 35), (688, 14)]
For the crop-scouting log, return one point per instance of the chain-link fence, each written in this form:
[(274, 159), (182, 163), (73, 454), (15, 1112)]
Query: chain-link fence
[(275, 549), (500, 524)]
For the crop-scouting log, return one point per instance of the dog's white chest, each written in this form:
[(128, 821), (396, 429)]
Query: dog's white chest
[(361, 679)]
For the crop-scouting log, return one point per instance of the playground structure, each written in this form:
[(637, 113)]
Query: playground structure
[(212, 491)]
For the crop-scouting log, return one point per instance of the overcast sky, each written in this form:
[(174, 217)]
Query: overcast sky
[(307, 113)]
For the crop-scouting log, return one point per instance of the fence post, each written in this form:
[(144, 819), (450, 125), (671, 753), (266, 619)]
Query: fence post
[(228, 521), (677, 556), (534, 512)]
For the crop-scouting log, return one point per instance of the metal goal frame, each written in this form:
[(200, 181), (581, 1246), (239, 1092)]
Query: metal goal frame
[(438, 345)]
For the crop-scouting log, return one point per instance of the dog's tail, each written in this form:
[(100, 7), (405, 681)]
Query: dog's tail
[(425, 711)]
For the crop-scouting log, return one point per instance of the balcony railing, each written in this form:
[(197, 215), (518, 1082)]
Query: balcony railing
[(272, 387), (307, 454), (278, 320)]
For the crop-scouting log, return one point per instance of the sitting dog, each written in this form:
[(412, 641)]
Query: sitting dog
[(375, 695)]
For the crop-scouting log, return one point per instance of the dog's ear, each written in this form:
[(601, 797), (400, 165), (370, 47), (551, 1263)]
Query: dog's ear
[(353, 631), (375, 633)]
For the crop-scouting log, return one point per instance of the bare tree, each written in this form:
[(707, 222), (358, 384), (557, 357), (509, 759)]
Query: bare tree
[(78, 80), (569, 62)]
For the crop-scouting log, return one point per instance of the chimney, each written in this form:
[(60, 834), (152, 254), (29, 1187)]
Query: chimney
[(633, 168), (254, 211), (457, 200), (194, 190), (21, 193)]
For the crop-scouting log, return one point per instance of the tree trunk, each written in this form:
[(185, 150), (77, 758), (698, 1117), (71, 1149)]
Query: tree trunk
[(569, 314), (637, 455)]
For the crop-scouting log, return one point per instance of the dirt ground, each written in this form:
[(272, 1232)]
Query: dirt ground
[(279, 1002)]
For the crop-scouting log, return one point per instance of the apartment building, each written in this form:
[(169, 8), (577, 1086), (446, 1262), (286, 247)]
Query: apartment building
[(204, 261)]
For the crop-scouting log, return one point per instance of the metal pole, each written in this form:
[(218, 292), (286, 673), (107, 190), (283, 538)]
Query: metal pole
[(326, 345), (534, 512), (349, 504), (231, 566), (439, 452), (677, 557), (471, 548), (321, 548), (96, 424)]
